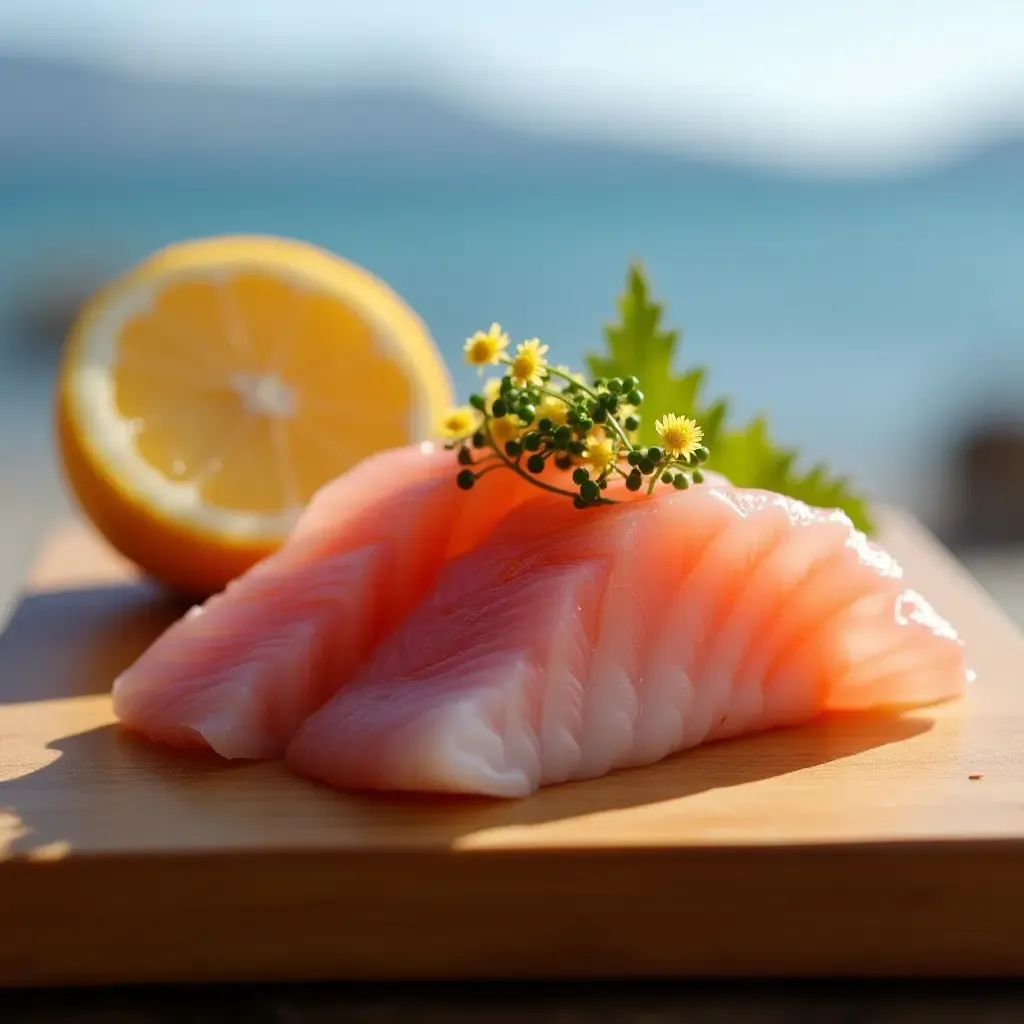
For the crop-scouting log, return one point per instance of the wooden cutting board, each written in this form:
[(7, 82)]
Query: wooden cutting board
[(861, 845)]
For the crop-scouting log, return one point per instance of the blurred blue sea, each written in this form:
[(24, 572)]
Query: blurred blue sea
[(869, 319)]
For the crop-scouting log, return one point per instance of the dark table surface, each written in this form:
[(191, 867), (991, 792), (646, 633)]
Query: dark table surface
[(651, 1003)]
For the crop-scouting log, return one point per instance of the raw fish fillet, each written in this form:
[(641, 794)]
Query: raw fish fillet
[(569, 644), (240, 673)]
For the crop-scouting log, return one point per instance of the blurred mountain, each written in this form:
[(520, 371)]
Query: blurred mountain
[(999, 155), (53, 113), (59, 115)]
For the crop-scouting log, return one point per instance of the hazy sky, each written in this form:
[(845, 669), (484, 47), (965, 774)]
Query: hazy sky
[(862, 82)]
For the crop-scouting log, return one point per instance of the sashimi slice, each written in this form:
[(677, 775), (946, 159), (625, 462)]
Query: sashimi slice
[(568, 645), (240, 673)]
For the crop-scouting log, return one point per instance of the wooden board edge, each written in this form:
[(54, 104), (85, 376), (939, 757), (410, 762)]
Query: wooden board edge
[(946, 909)]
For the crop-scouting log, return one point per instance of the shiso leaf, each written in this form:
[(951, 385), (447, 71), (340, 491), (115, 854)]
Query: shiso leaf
[(639, 344)]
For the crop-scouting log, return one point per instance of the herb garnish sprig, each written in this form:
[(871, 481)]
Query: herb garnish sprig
[(746, 454), (537, 415)]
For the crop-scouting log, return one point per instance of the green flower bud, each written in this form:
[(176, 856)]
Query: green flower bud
[(635, 397), (535, 463), (698, 476), (577, 447), (586, 425), (479, 439), (628, 383), (478, 402), (563, 462), (513, 448), (506, 385), (526, 413), (590, 491), (563, 433), (632, 423), (580, 475), (634, 481), (578, 502), (466, 479), (615, 385), (532, 441), (646, 466), (599, 414), (544, 425), (465, 457), (702, 454), (681, 481), (655, 454), (499, 408), (634, 457)]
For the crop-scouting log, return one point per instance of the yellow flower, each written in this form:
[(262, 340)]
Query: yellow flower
[(528, 362), (504, 428), (460, 422), (486, 346), (680, 435), (600, 453), (553, 409), (492, 388)]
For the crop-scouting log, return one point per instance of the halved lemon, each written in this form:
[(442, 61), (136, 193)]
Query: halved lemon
[(206, 394)]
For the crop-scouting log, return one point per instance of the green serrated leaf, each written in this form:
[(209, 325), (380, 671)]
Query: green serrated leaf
[(638, 344), (639, 341)]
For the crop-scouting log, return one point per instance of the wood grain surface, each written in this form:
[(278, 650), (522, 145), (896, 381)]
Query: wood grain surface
[(864, 844)]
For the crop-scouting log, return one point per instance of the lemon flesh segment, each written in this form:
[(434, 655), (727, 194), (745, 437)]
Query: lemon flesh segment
[(223, 396)]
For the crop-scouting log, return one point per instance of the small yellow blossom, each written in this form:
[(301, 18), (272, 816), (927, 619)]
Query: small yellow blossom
[(680, 435), (492, 388), (505, 428), (460, 422), (528, 363), (553, 409), (600, 453), (486, 346)]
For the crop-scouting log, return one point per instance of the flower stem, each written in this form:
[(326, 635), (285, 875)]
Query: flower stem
[(656, 477), (583, 387), (516, 468)]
